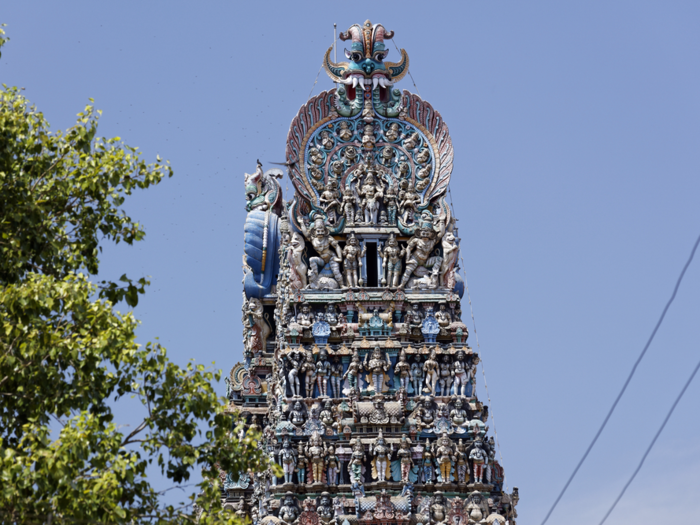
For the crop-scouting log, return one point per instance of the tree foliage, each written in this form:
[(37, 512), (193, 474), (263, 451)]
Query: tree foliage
[(66, 354)]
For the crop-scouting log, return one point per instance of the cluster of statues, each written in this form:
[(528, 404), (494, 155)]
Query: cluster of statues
[(424, 266), (443, 375)]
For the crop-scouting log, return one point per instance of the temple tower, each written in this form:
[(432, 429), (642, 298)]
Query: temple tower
[(357, 367)]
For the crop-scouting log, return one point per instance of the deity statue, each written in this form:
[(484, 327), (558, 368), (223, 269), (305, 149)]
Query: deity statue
[(387, 155), (423, 156), (393, 132), (477, 509), (350, 154), (459, 371), (336, 374), (289, 510), (309, 370), (297, 266), (405, 456), (391, 262), (323, 371), (419, 248), (391, 201), (479, 459), (428, 464), (423, 414), (302, 464), (325, 508), (450, 252), (459, 417), (348, 206), (315, 157), (353, 371), (327, 415), (305, 318), (444, 452), (382, 458), (288, 460), (344, 132), (322, 242), (257, 329), (417, 376), (356, 461), (326, 140), (414, 318), (352, 260), (296, 415), (411, 141), (294, 364), (438, 509), (331, 315), (462, 464), (443, 317), (316, 452), (431, 372), (408, 205), (445, 375), (332, 466), (377, 366), (472, 374), (402, 370), (330, 201), (368, 139), (371, 193)]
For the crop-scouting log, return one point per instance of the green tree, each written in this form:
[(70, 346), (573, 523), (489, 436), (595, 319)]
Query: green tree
[(66, 354)]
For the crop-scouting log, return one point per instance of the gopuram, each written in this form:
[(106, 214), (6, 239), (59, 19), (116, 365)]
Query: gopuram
[(356, 365)]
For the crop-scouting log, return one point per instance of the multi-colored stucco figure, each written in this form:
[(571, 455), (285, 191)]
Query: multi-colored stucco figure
[(352, 279)]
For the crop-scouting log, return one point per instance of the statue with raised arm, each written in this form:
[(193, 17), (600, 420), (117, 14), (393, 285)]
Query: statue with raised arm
[(419, 249), (323, 243)]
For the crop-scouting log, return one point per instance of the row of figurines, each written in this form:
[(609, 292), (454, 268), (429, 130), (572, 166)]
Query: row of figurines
[(443, 461), (418, 415), (432, 507), (430, 257), (443, 375), (419, 319)]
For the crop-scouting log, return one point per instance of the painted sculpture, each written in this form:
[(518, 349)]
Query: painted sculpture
[(356, 370)]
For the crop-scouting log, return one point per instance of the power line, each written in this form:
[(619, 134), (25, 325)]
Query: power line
[(629, 378), (653, 441)]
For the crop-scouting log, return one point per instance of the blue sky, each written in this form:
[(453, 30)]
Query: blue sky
[(576, 184)]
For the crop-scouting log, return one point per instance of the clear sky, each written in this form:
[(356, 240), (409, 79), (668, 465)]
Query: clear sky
[(576, 183)]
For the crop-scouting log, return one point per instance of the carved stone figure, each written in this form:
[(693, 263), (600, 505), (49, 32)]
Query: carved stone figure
[(382, 458), (391, 262), (402, 370), (288, 460), (393, 132), (344, 132), (408, 205), (296, 415), (352, 255), (368, 139), (257, 329), (417, 376), (459, 418), (309, 370), (330, 201), (294, 363), (305, 318), (432, 373), (462, 464), (477, 509), (444, 452), (377, 366), (479, 458), (262, 191), (405, 456), (323, 372), (357, 459), (371, 193), (443, 317), (450, 252), (332, 466), (459, 371), (336, 375), (322, 242), (428, 464), (419, 248), (353, 371), (325, 508), (414, 319), (302, 464), (297, 266), (349, 202), (315, 452), (445, 375), (326, 140), (379, 415), (289, 510)]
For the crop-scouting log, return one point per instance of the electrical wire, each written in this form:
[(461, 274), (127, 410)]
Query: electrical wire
[(627, 382), (651, 445)]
